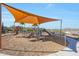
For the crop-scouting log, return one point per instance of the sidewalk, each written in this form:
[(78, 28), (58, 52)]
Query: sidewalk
[(4, 54), (65, 52)]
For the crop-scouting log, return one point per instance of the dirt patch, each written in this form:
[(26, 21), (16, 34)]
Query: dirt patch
[(19, 45)]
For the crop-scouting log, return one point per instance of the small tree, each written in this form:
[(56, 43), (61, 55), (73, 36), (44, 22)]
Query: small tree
[(22, 26)]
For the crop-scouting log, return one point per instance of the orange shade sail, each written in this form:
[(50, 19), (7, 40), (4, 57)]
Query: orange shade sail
[(26, 17)]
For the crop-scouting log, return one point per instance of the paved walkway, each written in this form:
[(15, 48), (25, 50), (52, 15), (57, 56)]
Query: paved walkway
[(65, 52), (4, 54)]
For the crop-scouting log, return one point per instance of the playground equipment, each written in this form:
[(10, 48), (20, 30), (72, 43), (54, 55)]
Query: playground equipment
[(26, 17)]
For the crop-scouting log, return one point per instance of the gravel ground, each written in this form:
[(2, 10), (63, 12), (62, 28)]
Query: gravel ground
[(18, 45)]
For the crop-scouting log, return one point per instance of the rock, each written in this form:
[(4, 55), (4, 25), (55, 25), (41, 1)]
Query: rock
[(33, 39)]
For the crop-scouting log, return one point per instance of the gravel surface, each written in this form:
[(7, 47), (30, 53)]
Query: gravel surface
[(19, 45)]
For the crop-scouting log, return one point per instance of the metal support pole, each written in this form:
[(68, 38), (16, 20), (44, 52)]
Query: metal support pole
[(61, 33), (0, 26), (60, 28)]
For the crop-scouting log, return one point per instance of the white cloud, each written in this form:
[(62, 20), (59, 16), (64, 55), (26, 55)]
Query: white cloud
[(50, 5)]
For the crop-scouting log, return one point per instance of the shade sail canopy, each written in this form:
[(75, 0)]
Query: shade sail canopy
[(26, 17)]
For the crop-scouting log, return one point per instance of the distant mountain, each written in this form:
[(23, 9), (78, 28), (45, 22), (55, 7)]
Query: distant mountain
[(71, 29)]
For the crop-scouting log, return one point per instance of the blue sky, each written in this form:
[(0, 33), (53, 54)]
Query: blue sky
[(69, 13)]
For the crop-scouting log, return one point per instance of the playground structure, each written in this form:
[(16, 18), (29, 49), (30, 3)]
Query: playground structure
[(20, 38), (25, 17)]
